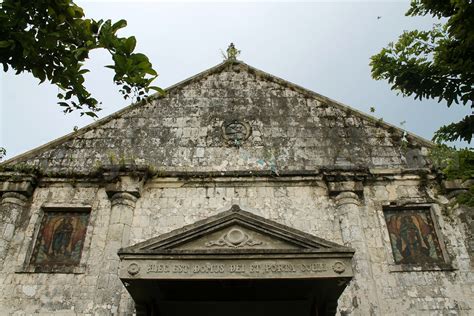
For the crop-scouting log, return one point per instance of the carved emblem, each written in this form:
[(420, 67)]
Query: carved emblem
[(133, 269), (339, 267), (235, 132), (235, 238)]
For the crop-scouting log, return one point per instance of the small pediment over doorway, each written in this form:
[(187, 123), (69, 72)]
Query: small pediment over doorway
[(216, 254)]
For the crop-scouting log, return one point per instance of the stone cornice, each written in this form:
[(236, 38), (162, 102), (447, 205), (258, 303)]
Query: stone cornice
[(457, 184), (21, 183), (325, 176)]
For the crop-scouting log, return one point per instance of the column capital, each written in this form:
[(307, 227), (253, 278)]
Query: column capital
[(132, 185), (337, 187), (14, 198), (123, 198), (18, 182), (345, 198)]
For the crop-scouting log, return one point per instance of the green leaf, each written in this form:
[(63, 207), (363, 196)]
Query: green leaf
[(118, 25), (152, 72), (71, 12), (130, 44), (140, 57), (81, 53), (158, 89), (5, 44), (90, 113)]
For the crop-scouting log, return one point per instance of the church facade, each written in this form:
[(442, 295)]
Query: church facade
[(236, 193)]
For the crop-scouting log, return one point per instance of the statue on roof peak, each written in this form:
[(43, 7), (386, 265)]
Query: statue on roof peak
[(232, 52)]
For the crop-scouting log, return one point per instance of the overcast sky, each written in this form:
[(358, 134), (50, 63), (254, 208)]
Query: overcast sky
[(322, 46)]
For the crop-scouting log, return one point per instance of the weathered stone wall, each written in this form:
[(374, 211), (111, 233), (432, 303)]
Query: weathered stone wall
[(292, 129), (25, 293), (164, 209), (418, 292), (165, 205), (296, 136)]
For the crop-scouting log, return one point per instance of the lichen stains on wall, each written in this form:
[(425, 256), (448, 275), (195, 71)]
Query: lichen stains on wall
[(232, 135), (183, 131)]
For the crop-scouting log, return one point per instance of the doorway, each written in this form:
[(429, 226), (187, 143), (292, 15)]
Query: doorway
[(276, 297)]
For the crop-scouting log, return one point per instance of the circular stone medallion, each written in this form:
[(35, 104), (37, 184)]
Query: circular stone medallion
[(235, 132), (133, 269), (235, 236), (339, 267)]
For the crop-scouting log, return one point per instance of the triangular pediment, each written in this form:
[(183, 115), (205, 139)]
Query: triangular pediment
[(235, 230), (188, 129)]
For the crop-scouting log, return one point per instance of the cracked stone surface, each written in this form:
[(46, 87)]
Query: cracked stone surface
[(290, 129)]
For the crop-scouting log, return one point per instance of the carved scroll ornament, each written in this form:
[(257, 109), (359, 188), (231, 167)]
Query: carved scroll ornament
[(234, 238)]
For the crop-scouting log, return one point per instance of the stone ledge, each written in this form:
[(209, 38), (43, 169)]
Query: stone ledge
[(18, 182), (68, 206), (394, 268), (81, 269), (457, 184)]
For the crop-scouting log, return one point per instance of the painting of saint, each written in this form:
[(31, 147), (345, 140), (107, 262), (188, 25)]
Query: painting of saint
[(60, 239), (413, 237)]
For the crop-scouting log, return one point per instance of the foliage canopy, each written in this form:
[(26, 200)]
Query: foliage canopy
[(435, 64), (456, 165), (52, 39)]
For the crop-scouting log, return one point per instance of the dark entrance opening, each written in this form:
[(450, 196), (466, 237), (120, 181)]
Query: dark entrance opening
[(275, 297)]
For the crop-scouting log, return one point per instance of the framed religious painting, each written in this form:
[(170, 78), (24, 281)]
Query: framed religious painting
[(414, 236), (60, 240)]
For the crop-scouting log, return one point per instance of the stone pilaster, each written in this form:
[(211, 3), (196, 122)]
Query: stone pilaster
[(123, 195), (13, 201), (121, 217), (364, 293)]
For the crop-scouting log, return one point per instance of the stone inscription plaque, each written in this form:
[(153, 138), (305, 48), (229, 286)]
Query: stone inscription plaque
[(231, 269)]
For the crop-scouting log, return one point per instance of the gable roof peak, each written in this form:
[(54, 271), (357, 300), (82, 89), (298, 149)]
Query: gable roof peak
[(226, 65)]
